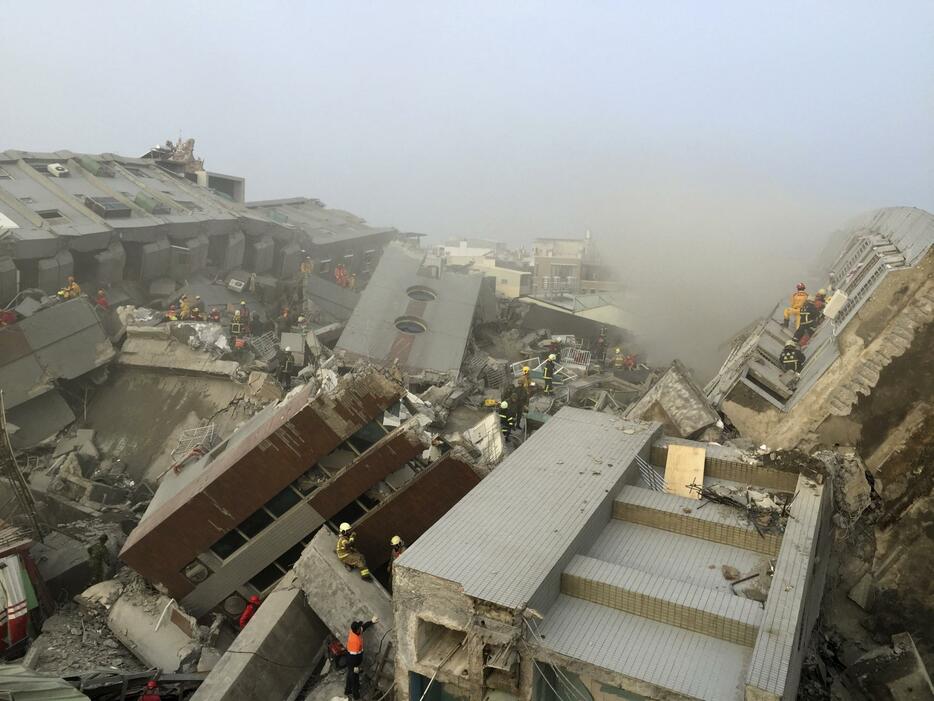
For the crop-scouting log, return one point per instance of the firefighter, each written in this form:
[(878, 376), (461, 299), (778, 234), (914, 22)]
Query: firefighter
[(797, 299), (600, 345), (101, 301), (548, 372), (820, 300), (244, 311), (397, 547), (507, 420), (171, 314), (152, 692), (348, 554), (184, 308), (236, 326), (71, 289), (196, 314), (791, 357), (355, 656), (249, 610), (286, 368), (215, 315), (807, 321), (619, 359), (306, 266), (99, 559)]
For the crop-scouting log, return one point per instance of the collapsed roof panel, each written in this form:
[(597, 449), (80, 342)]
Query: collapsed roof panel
[(419, 322), (677, 402)]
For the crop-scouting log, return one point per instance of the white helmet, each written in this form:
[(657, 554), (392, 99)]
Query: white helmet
[(395, 540), (552, 356), (288, 350), (345, 527), (504, 405)]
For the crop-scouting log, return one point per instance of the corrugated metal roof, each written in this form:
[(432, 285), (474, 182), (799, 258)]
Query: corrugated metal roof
[(505, 537), (22, 684), (371, 332)]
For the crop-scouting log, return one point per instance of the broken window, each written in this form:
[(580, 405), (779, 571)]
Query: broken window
[(228, 544), (283, 501), (290, 556), (266, 578), (254, 523)]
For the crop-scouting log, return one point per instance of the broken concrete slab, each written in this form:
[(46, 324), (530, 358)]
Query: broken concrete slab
[(893, 674), (169, 354), (338, 596), (863, 592), (272, 654)]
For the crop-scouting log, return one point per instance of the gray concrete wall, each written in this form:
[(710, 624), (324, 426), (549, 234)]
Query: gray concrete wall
[(109, 264), (272, 654), (54, 271), (154, 259), (9, 280), (419, 596)]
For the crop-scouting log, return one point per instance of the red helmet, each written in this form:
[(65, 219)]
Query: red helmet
[(801, 286), (151, 684), (254, 599)]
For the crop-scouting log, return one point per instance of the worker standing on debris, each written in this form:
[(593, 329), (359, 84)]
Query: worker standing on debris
[(184, 308), (171, 314), (600, 345), (101, 301), (286, 368), (347, 552), (506, 419), (99, 559), (251, 606), (807, 321), (152, 692), (236, 326), (525, 379), (306, 266), (548, 372), (244, 311), (820, 300), (355, 656), (196, 314), (397, 546), (791, 357), (215, 315), (797, 299)]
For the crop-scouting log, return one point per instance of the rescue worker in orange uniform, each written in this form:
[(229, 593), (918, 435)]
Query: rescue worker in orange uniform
[(355, 656), (71, 290), (101, 301), (797, 300), (249, 610), (184, 308), (171, 314)]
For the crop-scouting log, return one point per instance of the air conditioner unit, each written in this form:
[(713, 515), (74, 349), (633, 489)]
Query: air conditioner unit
[(57, 170), (236, 285)]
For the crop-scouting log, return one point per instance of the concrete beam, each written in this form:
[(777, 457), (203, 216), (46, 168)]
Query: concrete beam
[(272, 654)]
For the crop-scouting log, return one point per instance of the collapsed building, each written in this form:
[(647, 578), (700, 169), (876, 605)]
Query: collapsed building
[(412, 319), (231, 524), (570, 568), (108, 219)]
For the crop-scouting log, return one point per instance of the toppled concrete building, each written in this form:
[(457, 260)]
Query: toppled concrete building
[(415, 321), (232, 523), (568, 569), (106, 219), (60, 342), (886, 303)]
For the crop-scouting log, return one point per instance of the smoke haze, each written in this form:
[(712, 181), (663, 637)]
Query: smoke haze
[(710, 147)]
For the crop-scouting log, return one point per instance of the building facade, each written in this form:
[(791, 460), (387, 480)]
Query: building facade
[(570, 266)]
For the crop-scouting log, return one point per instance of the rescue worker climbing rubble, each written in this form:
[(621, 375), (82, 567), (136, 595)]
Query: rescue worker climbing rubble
[(152, 692), (397, 547), (506, 419), (548, 372), (249, 610), (355, 656), (791, 357), (215, 314), (71, 289), (799, 297), (348, 554), (171, 314), (184, 308)]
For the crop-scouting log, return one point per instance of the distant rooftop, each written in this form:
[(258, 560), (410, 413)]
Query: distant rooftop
[(322, 225)]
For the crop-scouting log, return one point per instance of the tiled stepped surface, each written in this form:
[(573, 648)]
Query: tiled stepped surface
[(719, 614), (692, 517)]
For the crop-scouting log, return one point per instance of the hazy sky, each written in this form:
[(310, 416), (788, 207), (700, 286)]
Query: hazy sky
[(707, 145)]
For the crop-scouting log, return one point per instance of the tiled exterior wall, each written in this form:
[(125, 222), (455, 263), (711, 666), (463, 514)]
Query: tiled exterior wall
[(721, 615), (721, 468), (667, 512)]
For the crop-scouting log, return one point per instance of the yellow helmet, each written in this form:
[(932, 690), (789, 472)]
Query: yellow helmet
[(395, 540), (345, 527), (525, 370)]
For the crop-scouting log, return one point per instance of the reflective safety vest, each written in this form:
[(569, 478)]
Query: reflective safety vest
[(354, 643), (235, 327)]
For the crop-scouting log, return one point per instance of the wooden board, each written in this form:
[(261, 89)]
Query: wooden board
[(684, 466)]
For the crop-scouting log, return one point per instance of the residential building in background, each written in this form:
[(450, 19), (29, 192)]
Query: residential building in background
[(570, 266)]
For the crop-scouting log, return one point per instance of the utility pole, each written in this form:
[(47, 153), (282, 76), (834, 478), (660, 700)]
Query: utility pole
[(9, 469)]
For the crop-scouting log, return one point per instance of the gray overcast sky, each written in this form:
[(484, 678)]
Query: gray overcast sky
[(699, 141)]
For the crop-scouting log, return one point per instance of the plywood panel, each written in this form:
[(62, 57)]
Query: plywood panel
[(684, 466)]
